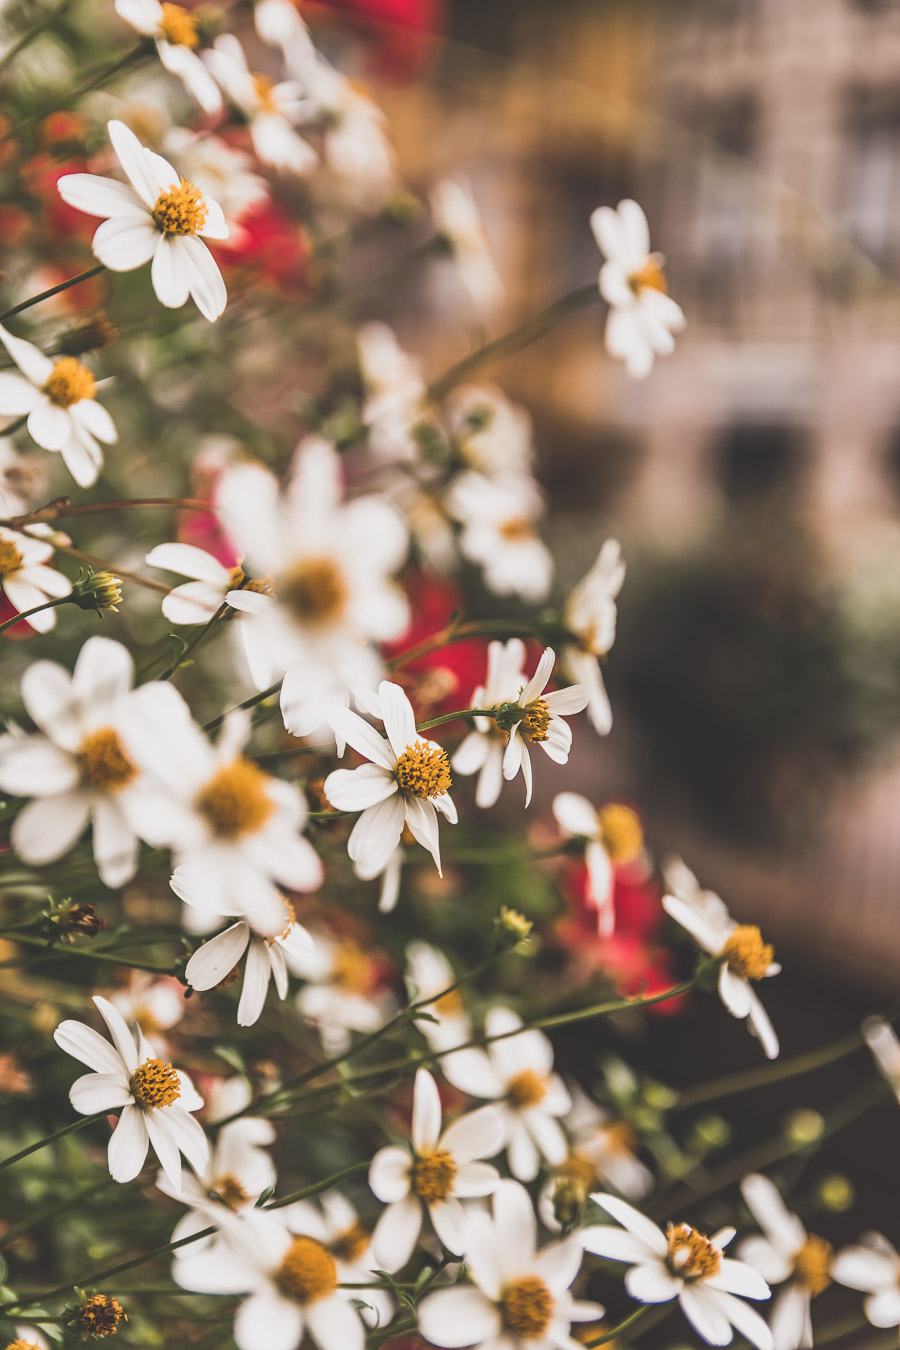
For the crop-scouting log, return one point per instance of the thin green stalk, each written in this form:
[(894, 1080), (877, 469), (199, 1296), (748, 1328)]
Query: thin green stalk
[(63, 508), (457, 632), (143, 48), (252, 702), (195, 641), (27, 38), (53, 290), (51, 1211), (388, 1333), (36, 609), (732, 1084), (637, 1316), (88, 955), (51, 1139)]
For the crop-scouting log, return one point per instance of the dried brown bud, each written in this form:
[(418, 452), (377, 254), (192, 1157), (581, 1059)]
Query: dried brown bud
[(98, 1316), (91, 336), (84, 919)]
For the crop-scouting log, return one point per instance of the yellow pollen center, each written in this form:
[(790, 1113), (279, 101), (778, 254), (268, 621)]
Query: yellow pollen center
[(290, 918), (179, 26), (264, 89), (315, 591), (623, 837), (813, 1263), (746, 953), (450, 1005), (231, 1191), (105, 767), (351, 969), (423, 771), (22, 1345), (181, 210), (433, 1176), (69, 382), (536, 720), (579, 1168), (234, 802), (100, 1316), (690, 1254), (238, 581), (527, 1307), (526, 1089), (10, 558), (516, 529), (308, 1271), (350, 1245), (155, 1083), (650, 277)]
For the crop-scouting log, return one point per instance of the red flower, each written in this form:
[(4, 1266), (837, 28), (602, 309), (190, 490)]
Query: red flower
[(272, 246), (401, 33), (444, 678)]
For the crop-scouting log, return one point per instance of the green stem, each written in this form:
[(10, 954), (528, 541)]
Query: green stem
[(195, 641), (517, 338), (51, 1212), (105, 73), (53, 290), (251, 702), (457, 632), (88, 955), (732, 1084), (27, 38), (638, 1315), (51, 1139), (318, 1186), (389, 1332), (26, 614)]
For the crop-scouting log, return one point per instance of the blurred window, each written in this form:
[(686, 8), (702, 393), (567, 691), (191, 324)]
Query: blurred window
[(759, 460), (870, 210)]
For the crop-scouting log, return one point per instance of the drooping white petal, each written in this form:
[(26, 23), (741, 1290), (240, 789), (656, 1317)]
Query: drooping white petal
[(396, 1233), (212, 961), (169, 272), (257, 972), (87, 1045), (128, 1145)]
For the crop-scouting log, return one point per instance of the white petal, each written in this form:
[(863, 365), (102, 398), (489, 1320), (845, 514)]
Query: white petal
[(883, 1308), (422, 821), (48, 827), (83, 458), (97, 196), (128, 1145), (169, 273), (122, 245), (389, 1174), (30, 359), (634, 1221), (783, 1229), (478, 1134), (701, 1309), (396, 1233), (49, 425), (375, 836), (362, 737), (115, 843), (211, 963), (140, 166), (17, 396), (449, 1220), (737, 1278), (257, 972), (204, 278), (94, 419), (575, 815), (118, 1030), (748, 1322), (335, 1325), (475, 1179), (356, 789), (194, 602), (426, 1119), (88, 1046), (613, 1244), (35, 767), (516, 1227), (100, 1092), (458, 1317), (265, 1321), (398, 717)]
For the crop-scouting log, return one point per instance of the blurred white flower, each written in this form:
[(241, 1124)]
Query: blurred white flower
[(174, 30), (538, 718), (428, 973), (873, 1266), (482, 750), (27, 580), (613, 837), (162, 217), (642, 317), (156, 1005), (498, 521), (601, 1150), (341, 994), (493, 434), (885, 1047), (394, 392), (589, 615), (457, 220), (271, 109), (267, 959), (238, 1171)]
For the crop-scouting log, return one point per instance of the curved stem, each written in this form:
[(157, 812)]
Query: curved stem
[(36, 609), (614, 1332), (459, 632), (53, 290), (101, 565), (214, 723), (195, 641), (732, 1084), (51, 1138)]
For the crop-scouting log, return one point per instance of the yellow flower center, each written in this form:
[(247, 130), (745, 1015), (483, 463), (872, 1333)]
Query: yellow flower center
[(10, 558), (579, 1168), (690, 1254), (526, 1089), (813, 1263), (350, 1245), (290, 918), (308, 1271), (234, 802), (179, 26), (527, 1307), (19, 1344), (536, 720), (264, 88), (100, 1316), (155, 1083), (69, 382), (423, 771), (231, 1191), (516, 529), (433, 1176), (237, 581), (649, 277), (351, 968), (105, 767), (181, 210), (620, 827), (746, 953), (449, 1005), (315, 591)]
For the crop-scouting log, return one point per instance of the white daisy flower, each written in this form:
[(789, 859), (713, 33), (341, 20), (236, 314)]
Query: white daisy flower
[(266, 959), (787, 1255), (278, 23), (337, 1227), (538, 717), (872, 1266), (161, 216), (642, 317), (342, 994), (745, 958), (394, 392), (493, 435), (155, 1099), (520, 1299), (174, 30), (271, 109), (78, 768), (602, 1150), (498, 532), (405, 783), (516, 1072), (439, 1169), (482, 750), (29, 1338), (457, 220), (292, 1283), (156, 1005), (328, 566), (684, 1264), (221, 171), (613, 838), (356, 147), (428, 972), (59, 399), (238, 1171), (27, 580), (882, 1040), (589, 615)]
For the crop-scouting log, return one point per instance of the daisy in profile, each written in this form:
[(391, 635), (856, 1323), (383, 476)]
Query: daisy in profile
[(789, 1256), (642, 317), (441, 1168), (482, 750), (155, 1099), (684, 1264), (77, 767), (613, 838), (174, 31), (59, 400), (520, 1297), (457, 221), (745, 958), (405, 784), (498, 521), (516, 1072), (881, 1038), (271, 109), (589, 616), (537, 717), (873, 1266), (161, 217), (394, 392), (26, 579), (267, 959)]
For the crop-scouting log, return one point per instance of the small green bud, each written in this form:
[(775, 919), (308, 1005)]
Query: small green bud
[(98, 591)]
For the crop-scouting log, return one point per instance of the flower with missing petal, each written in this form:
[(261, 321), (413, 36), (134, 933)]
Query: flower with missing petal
[(520, 1299), (26, 579), (405, 783), (266, 960), (786, 1255), (441, 1169), (745, 958), (613, 838), (59, 400), (161, 216), (684, 1264), (538, 717), (482, 750), (155, 1099), (873, 1266), (642, 317), (174, 31), (589, 617)]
